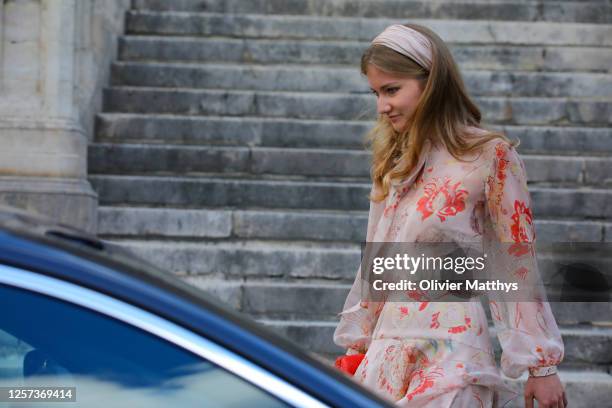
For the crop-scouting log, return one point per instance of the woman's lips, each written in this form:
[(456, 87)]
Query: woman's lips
[(393, 118)]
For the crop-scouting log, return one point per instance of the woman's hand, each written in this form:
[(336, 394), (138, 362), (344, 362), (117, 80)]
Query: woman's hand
[(548, 391)]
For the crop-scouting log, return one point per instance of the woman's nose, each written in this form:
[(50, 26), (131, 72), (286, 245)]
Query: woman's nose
[(382, 106)]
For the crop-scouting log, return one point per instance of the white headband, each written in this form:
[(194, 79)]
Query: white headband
[(408, 42)]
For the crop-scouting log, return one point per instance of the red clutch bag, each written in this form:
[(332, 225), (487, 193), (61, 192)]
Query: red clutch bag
[(349, 364)]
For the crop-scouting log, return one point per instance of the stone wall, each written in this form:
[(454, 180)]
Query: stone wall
[(102, 23), (55, 58)]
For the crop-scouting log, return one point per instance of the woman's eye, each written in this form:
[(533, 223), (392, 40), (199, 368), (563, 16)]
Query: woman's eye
[(392, 90)]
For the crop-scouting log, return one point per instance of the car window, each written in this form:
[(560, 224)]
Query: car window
[(46, 341)]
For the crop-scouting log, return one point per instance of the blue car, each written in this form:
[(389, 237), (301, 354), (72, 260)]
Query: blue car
[(83, 323)]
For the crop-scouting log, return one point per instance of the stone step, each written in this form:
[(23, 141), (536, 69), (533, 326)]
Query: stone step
[(334, 52), (347, 79), (134, 222), (104, 158), (240, 259), (260, 193), (592, 345), (193, 160), (314, 105), (229, 192), (338, 226), (456, 31), (289, 261), (589, 11), (283, 132), (322, 301)]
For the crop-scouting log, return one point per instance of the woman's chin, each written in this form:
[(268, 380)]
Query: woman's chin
[(398, 126)]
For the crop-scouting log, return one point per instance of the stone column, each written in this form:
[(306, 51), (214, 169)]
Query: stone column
[(43, 144)]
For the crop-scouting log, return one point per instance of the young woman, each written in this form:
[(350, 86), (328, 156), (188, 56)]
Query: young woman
[(438, 176)]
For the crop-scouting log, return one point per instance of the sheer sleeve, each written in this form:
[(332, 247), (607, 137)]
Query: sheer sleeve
[(359, 317), (527, 330)]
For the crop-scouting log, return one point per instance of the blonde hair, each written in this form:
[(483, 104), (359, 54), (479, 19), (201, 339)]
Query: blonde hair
[(443, 114)]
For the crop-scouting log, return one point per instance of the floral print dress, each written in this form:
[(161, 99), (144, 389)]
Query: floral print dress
[(435, 354)]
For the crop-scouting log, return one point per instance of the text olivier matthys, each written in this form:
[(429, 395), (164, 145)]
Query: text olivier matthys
[(459, 265)]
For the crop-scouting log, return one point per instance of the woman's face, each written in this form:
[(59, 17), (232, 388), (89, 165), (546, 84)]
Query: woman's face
[(397, 97)]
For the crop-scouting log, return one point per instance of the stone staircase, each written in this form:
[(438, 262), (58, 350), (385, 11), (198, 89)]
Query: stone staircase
[(230, 149)]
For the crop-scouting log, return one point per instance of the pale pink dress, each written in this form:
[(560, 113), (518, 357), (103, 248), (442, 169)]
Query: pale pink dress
[(433, 354)]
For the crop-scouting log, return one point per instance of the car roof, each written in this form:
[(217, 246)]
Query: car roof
[(40, 245)]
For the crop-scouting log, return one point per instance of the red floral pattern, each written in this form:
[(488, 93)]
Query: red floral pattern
[(442, 198), (424, 379), (522, 222)]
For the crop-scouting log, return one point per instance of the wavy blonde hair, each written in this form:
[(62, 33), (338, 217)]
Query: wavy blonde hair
[(443, 113)]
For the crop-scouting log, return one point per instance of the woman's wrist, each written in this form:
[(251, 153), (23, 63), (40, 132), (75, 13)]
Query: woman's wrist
[(542, 371)]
